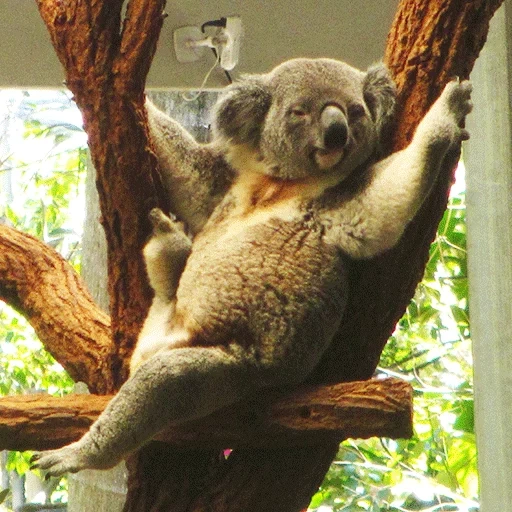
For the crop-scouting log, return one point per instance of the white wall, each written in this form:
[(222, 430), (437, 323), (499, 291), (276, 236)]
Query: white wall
[(349, 30), (488, 158)]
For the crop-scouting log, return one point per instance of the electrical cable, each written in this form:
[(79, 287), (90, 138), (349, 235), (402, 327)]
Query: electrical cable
[(196, 95), (220, 23)]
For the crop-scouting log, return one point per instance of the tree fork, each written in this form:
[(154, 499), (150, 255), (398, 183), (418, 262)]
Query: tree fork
[(421, 60)]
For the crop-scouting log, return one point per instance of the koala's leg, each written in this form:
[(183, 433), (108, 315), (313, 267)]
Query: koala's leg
[(374, 220), (165, 256), (172, 387)]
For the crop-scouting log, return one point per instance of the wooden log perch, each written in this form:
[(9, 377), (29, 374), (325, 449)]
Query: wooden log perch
[(311, 415)]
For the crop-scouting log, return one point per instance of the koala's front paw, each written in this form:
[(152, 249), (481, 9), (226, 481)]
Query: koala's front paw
[(456, 98), (162, 223), (69, 459)]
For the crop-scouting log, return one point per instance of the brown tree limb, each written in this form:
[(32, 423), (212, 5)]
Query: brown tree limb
[(429, 43), (309, 416), (106, 62), (42, 285)]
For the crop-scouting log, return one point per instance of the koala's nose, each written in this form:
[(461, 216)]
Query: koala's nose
[(335, 128)]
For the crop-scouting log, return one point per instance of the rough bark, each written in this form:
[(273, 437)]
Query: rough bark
[(311, 416), (106, 63), (253, 480), (38, 281)]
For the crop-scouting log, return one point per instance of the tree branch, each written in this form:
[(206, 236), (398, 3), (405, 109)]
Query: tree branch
[(132, 64), (39, 283), (430, 42), (106, 68), (308, 416)]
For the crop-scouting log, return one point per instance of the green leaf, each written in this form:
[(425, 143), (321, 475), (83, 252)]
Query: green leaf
[(3, 495), (466, 418)]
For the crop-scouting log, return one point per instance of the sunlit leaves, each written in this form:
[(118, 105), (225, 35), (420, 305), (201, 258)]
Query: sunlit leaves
[(42, 172), (436, 469), (25, 365), (43, 168)]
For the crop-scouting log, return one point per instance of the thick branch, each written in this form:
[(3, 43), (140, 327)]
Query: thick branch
[(311, 416), (40, 284), (430, 41), (106, 69)]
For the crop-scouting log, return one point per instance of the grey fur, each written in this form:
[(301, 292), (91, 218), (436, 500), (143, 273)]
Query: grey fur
[(265, 285)]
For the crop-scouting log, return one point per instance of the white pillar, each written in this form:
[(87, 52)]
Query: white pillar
[(488, 158)]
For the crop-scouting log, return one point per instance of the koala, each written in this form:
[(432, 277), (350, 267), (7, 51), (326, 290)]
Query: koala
[(288, 192)]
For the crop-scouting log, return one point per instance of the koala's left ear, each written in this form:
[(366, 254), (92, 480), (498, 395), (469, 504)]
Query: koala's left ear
[(241, 110), (379, 92)]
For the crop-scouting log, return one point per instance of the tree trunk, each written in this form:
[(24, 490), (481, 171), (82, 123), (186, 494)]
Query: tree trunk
[(106, 60)]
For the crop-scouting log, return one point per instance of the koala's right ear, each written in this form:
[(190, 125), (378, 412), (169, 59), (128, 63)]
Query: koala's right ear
[(241, 110), (379, 92)]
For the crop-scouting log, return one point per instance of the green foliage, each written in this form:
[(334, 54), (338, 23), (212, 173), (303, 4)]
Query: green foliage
[(41, 187), (3, 495), (430, 348), (47, 172), (26, 366)]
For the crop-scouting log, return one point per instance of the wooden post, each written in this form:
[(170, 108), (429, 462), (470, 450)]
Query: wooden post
[(489, 212)]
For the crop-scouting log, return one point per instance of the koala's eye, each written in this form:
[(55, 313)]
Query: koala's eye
[(298, 113), (355, 111)]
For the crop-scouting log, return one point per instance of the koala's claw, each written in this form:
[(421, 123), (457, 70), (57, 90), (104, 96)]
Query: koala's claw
[(458, 98), (70, 459), (58, 462), (162, 223)]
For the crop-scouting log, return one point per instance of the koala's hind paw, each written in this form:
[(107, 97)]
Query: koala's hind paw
[(162, 223), (457, 96), (57, 462), (69, 459)]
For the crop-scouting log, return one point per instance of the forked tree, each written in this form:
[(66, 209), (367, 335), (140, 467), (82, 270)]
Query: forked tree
[(279, 464)]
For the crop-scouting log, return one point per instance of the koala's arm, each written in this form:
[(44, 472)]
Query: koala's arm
[(195, 176), (165, 255), (373, 220)]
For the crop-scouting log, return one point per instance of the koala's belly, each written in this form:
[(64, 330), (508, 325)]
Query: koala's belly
[(278, 279)]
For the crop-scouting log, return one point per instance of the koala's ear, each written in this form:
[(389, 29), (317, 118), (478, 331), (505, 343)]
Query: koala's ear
[(379, 92), (241, 110)]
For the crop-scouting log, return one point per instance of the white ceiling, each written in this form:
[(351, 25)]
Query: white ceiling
[(350, 30)]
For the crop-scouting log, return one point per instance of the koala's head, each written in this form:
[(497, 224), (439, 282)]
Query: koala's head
[(307, 117)]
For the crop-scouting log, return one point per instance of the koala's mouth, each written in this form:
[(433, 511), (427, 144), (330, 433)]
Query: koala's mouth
[(327, 158)]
